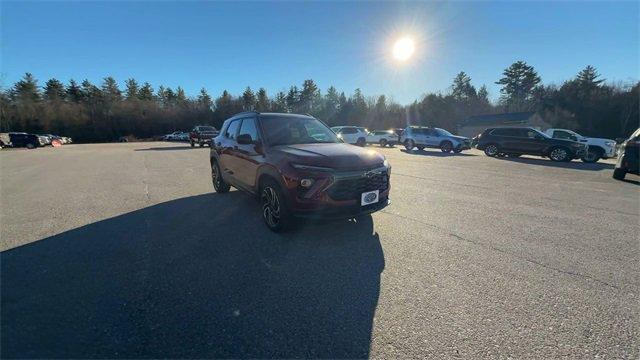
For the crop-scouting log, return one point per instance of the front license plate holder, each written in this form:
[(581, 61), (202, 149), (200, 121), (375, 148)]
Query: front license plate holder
[(369, 197)]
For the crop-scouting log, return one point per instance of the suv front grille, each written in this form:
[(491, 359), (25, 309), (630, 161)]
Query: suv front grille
[(352, 188)]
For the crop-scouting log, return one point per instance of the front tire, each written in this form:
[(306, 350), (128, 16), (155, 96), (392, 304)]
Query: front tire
[(409, 144), (592, 156), (559, 154), (31, 146), (219, 185), (361, 142), (275, 212), (192, 143), (383, 142), (446, 147), (492, 150), (619, 173)]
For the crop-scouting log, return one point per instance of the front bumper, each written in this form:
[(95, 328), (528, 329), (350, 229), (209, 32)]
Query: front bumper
[(203, 140), (338, 194), (610, 152), (343, 212)]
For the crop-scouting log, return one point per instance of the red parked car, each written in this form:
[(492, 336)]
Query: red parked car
[(298, 167)]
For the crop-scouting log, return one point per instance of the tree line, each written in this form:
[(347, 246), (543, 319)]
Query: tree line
[(105, 112)]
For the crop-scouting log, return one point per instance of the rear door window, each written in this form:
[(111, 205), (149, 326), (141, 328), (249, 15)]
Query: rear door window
[(560, 134), (508, 132), (531, 134)]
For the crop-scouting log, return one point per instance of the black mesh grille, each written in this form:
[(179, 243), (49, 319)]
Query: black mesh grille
[(352, 188)]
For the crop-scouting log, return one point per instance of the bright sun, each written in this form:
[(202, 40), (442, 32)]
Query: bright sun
[(403, 49)]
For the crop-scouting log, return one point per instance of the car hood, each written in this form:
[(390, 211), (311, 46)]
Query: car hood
[(334, 155), (459, 138), (600, 140)]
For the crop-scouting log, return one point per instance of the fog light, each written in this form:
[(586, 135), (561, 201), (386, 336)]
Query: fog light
[(306, 183)]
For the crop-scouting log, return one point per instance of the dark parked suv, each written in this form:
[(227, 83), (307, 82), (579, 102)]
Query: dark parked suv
[(29, 141), (516, 141), (202, 135), (298, 167), (628, 157)]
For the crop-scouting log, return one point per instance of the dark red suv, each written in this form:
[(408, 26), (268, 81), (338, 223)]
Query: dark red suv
[(298, 167)]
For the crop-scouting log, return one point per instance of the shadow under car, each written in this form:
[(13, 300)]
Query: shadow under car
[(197, 277)]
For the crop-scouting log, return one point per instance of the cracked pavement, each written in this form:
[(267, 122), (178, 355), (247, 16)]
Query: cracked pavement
[(123, 251)]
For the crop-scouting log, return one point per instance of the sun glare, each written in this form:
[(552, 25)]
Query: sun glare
[(403, 49)]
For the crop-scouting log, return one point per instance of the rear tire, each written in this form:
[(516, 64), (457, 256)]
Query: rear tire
[(361, 142), (192, 143), (492, 150), (383, 142), (446, 147), (219, 185), (275, 213), (31, 146), (619, 173)]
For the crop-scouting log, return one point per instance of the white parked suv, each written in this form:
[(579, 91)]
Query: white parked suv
[(382, 137), (598, 148), (351, 134)]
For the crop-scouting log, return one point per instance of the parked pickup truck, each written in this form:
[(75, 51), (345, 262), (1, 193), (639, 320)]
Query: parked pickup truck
[(5, 140), (202, 135), (597, 148)]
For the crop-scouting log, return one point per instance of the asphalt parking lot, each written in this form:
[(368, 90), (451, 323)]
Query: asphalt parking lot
[(124, 251)]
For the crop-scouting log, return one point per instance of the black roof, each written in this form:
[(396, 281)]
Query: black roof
[(498, 119)]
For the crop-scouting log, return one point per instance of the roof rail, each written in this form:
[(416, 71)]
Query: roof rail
[(247, 112)]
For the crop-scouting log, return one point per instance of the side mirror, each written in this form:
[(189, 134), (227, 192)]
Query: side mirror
[(244, 139)]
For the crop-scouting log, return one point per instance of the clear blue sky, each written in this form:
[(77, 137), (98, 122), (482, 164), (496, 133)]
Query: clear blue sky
[(230, 46)]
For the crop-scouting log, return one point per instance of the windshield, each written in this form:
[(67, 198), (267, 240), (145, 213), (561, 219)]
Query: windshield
[(289, 130), (443, 132)]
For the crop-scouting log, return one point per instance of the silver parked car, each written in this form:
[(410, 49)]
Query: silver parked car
[(427, 137)]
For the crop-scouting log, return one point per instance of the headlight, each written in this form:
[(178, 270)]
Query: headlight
[(311, 168), (610, 143), (385, 163)]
